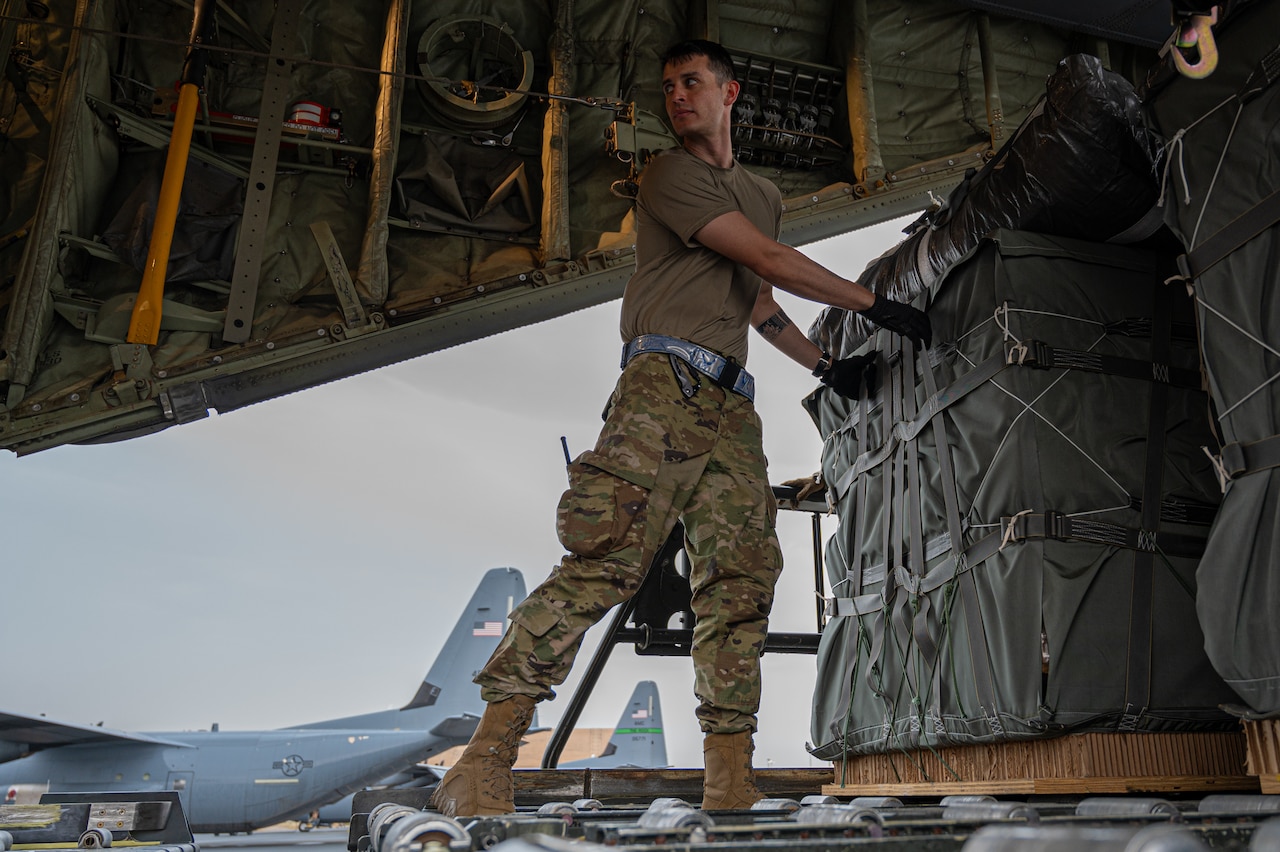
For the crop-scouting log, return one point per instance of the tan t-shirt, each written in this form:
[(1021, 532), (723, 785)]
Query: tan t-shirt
[(681, 288)]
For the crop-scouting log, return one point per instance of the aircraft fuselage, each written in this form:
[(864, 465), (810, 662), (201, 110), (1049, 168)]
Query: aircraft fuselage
[(231, 781)]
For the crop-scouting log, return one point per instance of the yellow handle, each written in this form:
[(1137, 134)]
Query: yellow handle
[(144, 326)]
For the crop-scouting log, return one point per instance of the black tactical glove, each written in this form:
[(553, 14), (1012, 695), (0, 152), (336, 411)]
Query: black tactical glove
[(901, 319), (846, 376)]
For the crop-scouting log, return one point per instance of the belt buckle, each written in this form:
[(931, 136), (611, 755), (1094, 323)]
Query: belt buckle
[(728, 378)]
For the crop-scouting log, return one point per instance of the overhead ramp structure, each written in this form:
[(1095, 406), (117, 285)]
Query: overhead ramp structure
[(367, 183)]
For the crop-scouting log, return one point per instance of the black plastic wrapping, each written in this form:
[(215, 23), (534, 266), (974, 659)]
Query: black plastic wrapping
[(1082, 165)]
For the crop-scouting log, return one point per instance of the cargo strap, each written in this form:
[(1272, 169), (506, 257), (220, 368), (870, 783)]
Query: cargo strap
[(1241, 459), (914, 619), (1059, 527), (1141, 603), (1017, 529), (725, 373), (984, 678), (890, 413), (1031, 353), (855, 578), (1173, 511), (910, 618), (1231, 236), (1045, 357)]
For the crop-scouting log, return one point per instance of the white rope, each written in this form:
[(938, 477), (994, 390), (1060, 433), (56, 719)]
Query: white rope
[(1003, 308), (1085, 512), (1028, 407), (1017, 352), (1208, 193), (1218, 468), (1234, 325), (1080, 514), (1176, 143), (1179, 278), (1008, 310), (1253, 339), (1010, 532), (977, 328), (1055, 315), (1247, 397), (1175, 148)]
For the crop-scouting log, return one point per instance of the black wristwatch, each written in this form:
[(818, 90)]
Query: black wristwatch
[(824, 364)]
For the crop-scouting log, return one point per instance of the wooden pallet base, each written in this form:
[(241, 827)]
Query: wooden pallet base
[(1263, 753), (640, 786), (1075, 764)]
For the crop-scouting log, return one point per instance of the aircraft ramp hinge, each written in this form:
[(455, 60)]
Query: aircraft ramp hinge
[(557, 273), (132, 363), (605, 259)]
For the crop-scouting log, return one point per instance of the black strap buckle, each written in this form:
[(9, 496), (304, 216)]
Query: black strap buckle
[(1056, 525), (729, 375)]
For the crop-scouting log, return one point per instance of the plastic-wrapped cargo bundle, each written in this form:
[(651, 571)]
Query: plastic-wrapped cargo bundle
[(1222, 198), (1021, 512), (1081, 165)]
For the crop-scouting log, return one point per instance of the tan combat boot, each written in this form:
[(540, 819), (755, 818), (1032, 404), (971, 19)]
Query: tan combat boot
[(729, 781), (480, 783)]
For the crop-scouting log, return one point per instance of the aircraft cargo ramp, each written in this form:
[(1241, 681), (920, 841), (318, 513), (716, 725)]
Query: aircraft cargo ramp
[(361, 190), (823, 824)]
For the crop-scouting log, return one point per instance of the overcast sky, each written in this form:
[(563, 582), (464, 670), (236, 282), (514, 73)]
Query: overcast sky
[(305, 557)]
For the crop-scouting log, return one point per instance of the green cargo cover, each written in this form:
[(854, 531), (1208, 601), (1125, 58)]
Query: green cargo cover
[(1036, 576), (1222, 198)]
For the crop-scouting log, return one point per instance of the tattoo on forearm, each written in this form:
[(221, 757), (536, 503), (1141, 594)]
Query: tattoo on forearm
[(774, 325)]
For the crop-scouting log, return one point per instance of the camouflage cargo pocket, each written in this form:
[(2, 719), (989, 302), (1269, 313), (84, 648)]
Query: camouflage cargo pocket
[(597, 510), (536, 615)]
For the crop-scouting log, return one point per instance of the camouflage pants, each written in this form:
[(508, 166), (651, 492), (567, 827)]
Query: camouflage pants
[(660, 457)]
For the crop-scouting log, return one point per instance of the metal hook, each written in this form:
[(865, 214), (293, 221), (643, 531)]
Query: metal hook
[(1197, 32), (493, 140)]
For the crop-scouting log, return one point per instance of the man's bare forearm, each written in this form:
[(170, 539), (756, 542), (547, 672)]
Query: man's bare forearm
[(777, 328)]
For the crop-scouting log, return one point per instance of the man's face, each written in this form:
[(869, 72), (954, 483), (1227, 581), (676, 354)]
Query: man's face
[(695, 100)]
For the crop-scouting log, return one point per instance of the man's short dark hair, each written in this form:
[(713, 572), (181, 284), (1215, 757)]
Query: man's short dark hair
[(718, 58)]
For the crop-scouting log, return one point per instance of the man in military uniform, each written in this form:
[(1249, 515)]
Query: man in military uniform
[(681, 441)]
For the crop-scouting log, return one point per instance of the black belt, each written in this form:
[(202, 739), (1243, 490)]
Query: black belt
[(722, 371)]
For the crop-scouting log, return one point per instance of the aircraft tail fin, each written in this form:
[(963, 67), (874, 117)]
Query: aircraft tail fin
[(638, 740), (447, 690)]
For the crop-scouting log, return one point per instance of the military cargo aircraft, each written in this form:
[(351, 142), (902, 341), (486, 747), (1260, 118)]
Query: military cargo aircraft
[(366, 183), (638, 739), (242, 780), (349, 185)]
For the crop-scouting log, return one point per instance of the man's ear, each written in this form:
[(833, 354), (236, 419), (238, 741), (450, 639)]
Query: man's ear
[(731, 91)]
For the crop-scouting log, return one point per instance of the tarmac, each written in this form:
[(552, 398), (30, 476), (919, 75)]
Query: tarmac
[(279, 839)]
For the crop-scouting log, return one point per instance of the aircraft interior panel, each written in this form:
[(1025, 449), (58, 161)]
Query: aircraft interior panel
[(364, 183)]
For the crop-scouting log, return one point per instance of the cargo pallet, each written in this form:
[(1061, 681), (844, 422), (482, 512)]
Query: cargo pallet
[(1073, 764), (1262, 739)]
